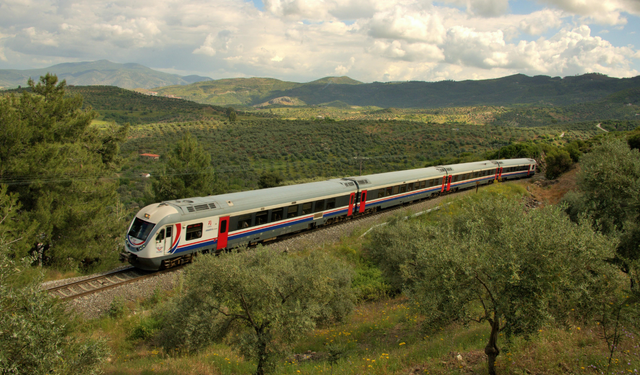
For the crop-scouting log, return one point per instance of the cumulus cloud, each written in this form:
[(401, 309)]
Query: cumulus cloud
[(407, 24), (306, 39), (483, 8), (607, 12)]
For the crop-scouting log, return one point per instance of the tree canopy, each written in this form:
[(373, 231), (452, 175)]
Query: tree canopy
[(36, 334), (490, 261), (259, 299), (609, 195), (188, 172), (61, 168)]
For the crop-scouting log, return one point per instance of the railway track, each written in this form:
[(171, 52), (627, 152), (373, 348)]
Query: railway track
[(103, 282)]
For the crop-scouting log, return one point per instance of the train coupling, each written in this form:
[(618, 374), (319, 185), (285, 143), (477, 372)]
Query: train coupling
[(126, 257)]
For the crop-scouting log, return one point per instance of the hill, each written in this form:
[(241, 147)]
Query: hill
[(120, 105), (506, 91), (100, 72)]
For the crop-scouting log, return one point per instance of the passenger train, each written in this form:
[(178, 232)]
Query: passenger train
[(166, 234)]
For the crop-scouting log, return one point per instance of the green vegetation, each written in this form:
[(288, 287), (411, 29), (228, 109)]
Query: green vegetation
[(188, 172), (513, 90), (36, 334), (488, 261), (434, 293), (61, 170), (609, 199), (260, 300)]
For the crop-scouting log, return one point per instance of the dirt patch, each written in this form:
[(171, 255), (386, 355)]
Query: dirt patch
[(552, 191)]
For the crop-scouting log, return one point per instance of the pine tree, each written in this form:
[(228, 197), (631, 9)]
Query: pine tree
[(187, 173), (62, 169)]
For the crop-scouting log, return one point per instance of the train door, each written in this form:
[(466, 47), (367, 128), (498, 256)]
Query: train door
[(449, 183), (352, 199), (223, 232), (444, 183), (500, 175), (497, 173), (163, 241), (168, 239), (363, 201)]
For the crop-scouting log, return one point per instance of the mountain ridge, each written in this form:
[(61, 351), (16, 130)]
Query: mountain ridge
[(100, 72)]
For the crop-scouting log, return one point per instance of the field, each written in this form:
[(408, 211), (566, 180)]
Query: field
[(303, 150)]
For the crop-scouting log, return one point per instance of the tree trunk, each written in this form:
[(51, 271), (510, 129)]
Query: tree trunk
[(262, 352), (491, 350)]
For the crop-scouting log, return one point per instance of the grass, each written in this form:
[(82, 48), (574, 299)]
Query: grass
[(385, 337)]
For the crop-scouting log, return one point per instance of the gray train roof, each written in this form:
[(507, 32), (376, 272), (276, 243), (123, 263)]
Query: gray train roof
[(286, 195), (398, 177), (254, 199)]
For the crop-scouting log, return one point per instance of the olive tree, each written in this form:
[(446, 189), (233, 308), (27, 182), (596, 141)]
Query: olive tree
[(257, 300), (609, 196), (490, 261)]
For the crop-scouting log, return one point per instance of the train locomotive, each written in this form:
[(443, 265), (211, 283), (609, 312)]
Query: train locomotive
[(167, 234)]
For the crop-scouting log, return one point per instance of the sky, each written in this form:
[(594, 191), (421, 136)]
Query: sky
[(304, 40)]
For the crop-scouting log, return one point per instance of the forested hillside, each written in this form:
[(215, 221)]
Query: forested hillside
[(516, 89)]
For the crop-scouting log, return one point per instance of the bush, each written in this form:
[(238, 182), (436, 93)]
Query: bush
[(558, 162), (369, 283)]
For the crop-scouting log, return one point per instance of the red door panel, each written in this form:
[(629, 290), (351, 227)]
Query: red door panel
[(500, 175), (363, 201), (444, 183), (497, 173), (223, 232), (351, 199), (449, 183)]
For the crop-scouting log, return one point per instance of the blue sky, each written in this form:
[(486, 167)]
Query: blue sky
[(303, 40)]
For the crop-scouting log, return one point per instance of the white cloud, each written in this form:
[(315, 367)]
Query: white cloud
[(607, 12), (307, 39), (407, 24), (483, 8)]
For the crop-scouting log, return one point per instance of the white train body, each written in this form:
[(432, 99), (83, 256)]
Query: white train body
[(165, 234)]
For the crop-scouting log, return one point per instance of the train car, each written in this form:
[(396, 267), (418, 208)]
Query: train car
[(166, 234)]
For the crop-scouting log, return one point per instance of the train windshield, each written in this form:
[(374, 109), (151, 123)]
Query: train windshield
[(141, 229)]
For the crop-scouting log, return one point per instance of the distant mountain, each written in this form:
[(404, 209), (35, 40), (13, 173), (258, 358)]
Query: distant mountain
[(100, 72), (515, 89)]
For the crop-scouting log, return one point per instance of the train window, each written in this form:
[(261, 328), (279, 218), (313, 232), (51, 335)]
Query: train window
[(223, 226), (194, 231), (244, 221), (169, 231), (395, 190), (409, 187), (319, 206), (403, 188), (389, 191), (160, 236), (261, 217), (455, 178), (331, 203), (306, 208), (292, 211), (140, 229), (276, 214)]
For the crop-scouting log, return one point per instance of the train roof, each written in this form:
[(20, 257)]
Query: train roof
[(398, 177), (253, 199), (286, 195)]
